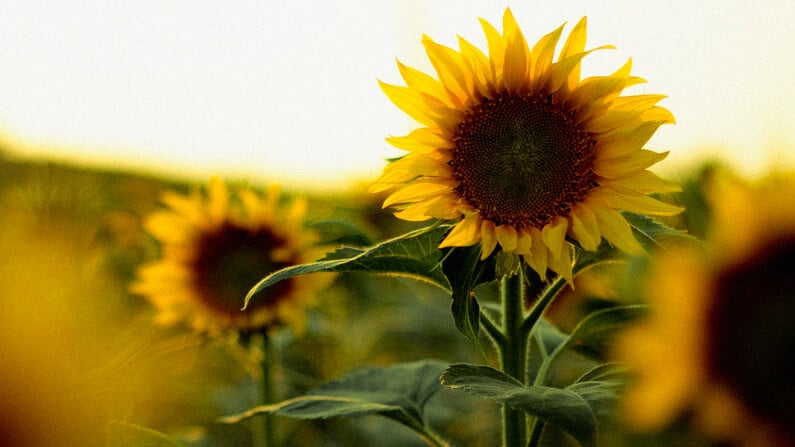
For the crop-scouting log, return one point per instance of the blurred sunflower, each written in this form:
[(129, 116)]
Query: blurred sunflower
[(720, 340), (215, 247), (524, 151)]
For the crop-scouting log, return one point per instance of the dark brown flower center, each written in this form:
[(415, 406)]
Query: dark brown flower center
[(751, 336), (522, 160), (233, 259)]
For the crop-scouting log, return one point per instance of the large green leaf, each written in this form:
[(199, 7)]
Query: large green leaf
[(398, 392), (464, 270), (415, 255), (650, 233), (574, 409), (124, 434)]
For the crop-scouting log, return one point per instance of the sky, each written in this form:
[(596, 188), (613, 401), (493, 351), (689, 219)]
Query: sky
[(287, 92)]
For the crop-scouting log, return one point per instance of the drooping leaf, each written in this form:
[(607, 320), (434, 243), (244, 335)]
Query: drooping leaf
[(125, 434), (574, 409), (464, 270), (591, 335), (650, 233), (398, 392), (597, 329), (594, 332), (562, 408), (414, 255)]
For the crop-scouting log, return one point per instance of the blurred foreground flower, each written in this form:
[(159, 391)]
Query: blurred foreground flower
[(720, 340), (215, 246), (523, 150)]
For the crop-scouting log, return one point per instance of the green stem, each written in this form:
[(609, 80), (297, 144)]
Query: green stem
[(541, 304), (428, 436), (492, 330), (267, 390), (513, 355), (535, 435)]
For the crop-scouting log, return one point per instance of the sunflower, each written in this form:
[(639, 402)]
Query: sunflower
[(719, 342), (215, 247), (521, 151)]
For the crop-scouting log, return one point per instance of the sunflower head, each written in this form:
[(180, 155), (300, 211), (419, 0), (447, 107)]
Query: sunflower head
[(521, 151), (215, 247), (719, 342)]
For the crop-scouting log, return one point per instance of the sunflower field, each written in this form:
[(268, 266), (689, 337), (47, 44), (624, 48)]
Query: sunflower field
[(519, 277)]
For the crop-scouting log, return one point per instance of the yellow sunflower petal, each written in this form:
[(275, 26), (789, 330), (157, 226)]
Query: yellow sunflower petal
[(627, 200), (574, 44), (617, 230), (496, 49), (424, 83), (562, 265), (584, 227), (644, 182), (523, 241), (537, 259), (488, 235), (464, 234), (410, 102), (507, 237), (543, 52), (554, 236), (418, 191), (627, 165), (423, 139), (624, 141), (441, 208), (659, 114), (447, 63), (515, 63), (479, 68)]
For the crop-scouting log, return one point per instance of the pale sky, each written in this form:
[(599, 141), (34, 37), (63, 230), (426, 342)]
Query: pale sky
[(286, 91)]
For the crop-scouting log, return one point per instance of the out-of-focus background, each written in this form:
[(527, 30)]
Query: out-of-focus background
[(281, 91), (104, 106)]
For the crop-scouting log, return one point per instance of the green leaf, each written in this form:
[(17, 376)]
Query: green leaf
[(650, 233), (545, 338), (414, 255), (574, 409), (597, 329), (124, 434), (601, 388), (398, 392), (465, 270), (592, 334)]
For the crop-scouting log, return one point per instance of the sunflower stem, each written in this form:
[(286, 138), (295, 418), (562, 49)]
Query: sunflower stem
[(513, 354), (541, 305), (544, 300), (266, 389)]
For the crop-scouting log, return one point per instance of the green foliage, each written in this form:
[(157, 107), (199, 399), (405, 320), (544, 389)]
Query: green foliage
[(652, 234), (464, 271), (592, 335), (413, 255), (398, 392), (574, 409)]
